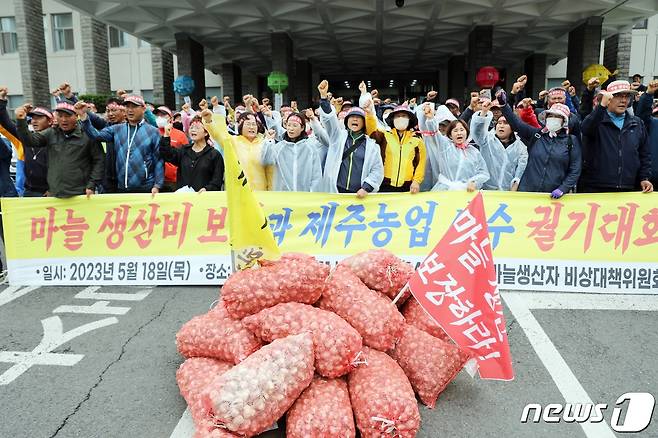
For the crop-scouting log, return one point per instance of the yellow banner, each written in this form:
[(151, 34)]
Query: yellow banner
[(619, 228)]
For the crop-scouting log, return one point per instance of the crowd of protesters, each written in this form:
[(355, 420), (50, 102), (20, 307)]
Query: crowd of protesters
[(555, 143)]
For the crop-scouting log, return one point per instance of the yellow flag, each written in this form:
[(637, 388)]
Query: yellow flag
[(249, 233)]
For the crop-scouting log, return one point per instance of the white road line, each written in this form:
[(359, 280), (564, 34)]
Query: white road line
[(571, 301), (185, 426), (91, 293), (13, 292), (565, 380)]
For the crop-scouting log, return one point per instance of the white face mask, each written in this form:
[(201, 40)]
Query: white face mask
[(401, 123), (161, 122), (553, 124)]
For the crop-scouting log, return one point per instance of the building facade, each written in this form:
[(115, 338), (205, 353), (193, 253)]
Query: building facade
[(72, 51), (130, 59)]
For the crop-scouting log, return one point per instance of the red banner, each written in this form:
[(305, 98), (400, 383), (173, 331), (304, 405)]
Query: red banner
[(456, 285)]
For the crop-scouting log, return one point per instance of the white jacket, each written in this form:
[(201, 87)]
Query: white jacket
[(506, 165), (373, 167), (296, 165), (456, 167)]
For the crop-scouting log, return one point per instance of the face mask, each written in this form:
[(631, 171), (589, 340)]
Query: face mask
[(161, 122), (401, 124), (553, 124)]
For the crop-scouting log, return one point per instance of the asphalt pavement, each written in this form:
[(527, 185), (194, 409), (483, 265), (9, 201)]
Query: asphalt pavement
[(111, 372)]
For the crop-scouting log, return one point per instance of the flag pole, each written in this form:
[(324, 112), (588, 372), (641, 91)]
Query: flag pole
[(399, 295)]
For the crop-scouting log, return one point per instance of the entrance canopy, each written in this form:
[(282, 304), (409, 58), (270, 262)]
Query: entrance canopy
[(362, 36)]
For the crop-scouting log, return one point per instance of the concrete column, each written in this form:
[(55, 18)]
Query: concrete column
[(302, 86), (95, 55), (163, 77), (189, 54), (535, 69), (232, 80), (283, 61), (32, 51), (617, 53), (443, 88), (457, 78), (584, 49), (480, 46), (249, 83)]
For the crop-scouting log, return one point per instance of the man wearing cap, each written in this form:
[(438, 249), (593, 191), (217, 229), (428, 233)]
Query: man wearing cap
[(616, 154), (75, 161), (177, 139), (139, 167), (35, 161), (115, 112), (354, 162)]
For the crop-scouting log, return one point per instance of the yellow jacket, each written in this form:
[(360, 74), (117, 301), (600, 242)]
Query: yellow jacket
[(401, 155), (260, 177)]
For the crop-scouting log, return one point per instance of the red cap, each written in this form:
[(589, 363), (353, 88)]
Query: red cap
[(40, 111), (135, 99), (66, 107), (164, 109)]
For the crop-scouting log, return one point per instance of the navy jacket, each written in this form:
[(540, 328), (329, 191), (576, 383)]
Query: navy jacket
[(651, 123), (552, 162), (614, 158), (7, 188)]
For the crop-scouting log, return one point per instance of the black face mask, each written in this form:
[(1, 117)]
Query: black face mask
[(178, 125)]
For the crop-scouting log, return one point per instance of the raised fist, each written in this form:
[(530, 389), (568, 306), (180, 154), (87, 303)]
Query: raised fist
[(203, 105), (323, 88), (206, 115), (593, 83)]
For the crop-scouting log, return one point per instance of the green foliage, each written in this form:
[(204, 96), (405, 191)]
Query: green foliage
[(97, 99)]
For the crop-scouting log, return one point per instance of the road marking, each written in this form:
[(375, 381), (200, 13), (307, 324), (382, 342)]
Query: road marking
[(98, 308), (571, 301), (91, 293), (565, 380), (13, 292), (185, 426), (53, 337)]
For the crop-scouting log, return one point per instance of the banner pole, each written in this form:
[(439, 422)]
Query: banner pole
[(399, 295)]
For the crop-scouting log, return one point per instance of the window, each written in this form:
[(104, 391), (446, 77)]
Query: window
[(143, 44), (8, 37), (117, 38), (642, 24), (62, 32)]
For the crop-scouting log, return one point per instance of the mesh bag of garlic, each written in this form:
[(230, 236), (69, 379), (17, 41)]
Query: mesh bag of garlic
[(337, 344)]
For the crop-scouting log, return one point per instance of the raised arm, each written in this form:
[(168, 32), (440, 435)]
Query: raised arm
[(590, 125), (522, 128), (215, 124), (105, 134)]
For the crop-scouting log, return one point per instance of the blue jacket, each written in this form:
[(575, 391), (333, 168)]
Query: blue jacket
[(137, 150), (614, 158), (552, 162)]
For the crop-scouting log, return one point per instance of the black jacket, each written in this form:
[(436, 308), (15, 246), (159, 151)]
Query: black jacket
[(197, 170), (553, 162), (7, 187), (614, 158), (36, 160), (75, 161)]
